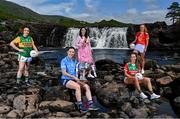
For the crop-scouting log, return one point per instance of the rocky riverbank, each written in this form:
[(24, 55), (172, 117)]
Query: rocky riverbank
[(45, 98)]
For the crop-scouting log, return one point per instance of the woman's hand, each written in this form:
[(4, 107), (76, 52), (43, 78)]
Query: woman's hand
[(21, 50)]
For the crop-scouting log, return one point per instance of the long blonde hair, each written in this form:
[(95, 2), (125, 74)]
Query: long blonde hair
[(145, 28)]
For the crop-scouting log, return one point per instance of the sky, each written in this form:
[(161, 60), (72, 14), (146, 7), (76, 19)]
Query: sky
[(127, 11)]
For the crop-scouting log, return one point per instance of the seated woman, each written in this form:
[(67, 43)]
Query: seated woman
[(71, 81), (131, 69)]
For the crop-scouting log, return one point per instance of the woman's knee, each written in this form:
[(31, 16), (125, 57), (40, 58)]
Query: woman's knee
[(86, 87), (77, 87)]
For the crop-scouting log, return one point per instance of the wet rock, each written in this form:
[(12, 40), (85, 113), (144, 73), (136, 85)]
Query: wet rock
[(4, 109), (164, 80), (121, 114), (153, 74)]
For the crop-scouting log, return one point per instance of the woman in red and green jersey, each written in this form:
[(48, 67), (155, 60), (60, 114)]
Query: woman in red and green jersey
[(131, 69), (24, 44), (142, 41)]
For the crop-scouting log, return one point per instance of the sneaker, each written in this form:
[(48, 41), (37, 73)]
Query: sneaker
[(143, 96), (154, 96), (27, 83), (92, 107), (90, 76), (83, 109), (142, 71)]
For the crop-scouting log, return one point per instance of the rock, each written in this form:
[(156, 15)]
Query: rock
[(171, 74), (163, 116), (150, 64), (126, 107), (15, 114), (103, 115), (58, 105), (38, 114), (4, 109), (112, 94), (164, 80), (121, 114), (175, 68), (19, 102), (62, 114), (108, 78), (61, 105), (147, 101), (177, 102), (139, 113), (55, 93), (153, 74)]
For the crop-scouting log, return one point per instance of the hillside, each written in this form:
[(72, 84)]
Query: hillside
[(13, 11)]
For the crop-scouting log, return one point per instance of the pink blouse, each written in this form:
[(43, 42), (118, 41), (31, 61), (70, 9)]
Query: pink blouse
[(84, 50)]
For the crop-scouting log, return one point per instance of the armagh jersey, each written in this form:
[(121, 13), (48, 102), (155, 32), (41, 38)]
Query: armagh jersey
[(142, 38), (25, 43)]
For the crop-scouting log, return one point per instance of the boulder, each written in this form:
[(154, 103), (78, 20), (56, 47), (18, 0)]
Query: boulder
[(164, 80)]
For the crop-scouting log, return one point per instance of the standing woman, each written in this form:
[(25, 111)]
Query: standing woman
[(84, 50), (142, 41), (23, 44)]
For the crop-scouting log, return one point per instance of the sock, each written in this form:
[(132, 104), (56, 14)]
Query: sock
[(90, 102), (80, 104), (26, 78), (18, 79)]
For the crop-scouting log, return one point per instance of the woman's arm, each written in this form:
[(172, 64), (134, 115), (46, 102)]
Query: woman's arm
[(69, 75), (34, 47), (12, 44)]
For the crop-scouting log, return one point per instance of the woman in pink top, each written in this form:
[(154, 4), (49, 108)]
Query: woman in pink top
[(84, 50)]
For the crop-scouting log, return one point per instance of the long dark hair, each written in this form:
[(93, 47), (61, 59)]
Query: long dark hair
[(86, 34)]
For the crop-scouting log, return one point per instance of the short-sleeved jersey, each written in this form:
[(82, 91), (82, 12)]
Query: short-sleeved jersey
[(142, 38), (131, 69), (25, 43), (68, 65)]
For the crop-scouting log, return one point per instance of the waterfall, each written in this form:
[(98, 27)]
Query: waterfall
[(114, 37)]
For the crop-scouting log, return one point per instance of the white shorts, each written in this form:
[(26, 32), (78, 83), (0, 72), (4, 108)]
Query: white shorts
[(139, 48), (24, 59)]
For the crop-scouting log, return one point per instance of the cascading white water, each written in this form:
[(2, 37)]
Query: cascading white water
[(114, 37)]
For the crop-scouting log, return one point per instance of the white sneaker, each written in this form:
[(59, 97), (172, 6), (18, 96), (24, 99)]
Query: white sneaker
[(90, 76), (154, 96), (142, 71), (95, 75), (143, 96)]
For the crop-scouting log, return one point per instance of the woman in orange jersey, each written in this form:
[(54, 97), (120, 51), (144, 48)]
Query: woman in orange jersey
[(142, 41)]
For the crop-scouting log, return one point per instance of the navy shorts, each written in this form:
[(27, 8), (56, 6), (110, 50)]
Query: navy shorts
[(64, 81)]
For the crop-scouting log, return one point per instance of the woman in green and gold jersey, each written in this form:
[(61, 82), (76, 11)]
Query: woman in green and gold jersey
[(24, 44)]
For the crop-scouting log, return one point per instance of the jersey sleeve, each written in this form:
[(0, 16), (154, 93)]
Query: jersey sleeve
[(136, 36), (126, 67), (147, 36), (16, 40), (63, 65)]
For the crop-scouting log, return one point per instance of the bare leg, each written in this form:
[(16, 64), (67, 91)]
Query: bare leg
[(76, 87), (88, 92)]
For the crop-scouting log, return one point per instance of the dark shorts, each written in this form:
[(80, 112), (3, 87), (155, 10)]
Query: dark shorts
[(64, 81)]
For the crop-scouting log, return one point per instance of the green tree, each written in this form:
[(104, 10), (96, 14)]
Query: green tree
[(174, 12)]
